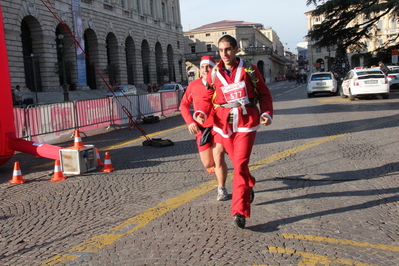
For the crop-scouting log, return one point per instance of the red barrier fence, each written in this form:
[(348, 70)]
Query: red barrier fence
[(48, 122)]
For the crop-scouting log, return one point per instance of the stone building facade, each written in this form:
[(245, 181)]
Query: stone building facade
[(254, 45), (124, 41)]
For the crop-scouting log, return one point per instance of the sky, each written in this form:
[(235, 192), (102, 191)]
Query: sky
[(286, 17)]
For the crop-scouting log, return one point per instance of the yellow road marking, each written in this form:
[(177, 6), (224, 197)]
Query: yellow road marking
[(310, 259), (59, 259), (110, 147), (340, 241), (139, 138), (96, 243)]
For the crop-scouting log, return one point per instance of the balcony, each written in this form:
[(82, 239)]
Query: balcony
[(257, 50), (197, 56)]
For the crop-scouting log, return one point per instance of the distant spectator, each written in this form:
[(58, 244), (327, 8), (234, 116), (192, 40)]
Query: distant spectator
[(149, 88), (17, 95), (383, 68)]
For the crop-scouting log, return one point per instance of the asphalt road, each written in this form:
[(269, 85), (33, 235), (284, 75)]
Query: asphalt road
[(326, 194)]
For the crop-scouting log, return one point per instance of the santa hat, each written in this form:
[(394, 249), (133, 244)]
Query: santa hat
[(210, 60)]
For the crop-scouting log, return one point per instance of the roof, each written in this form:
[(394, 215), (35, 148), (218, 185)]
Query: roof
[(226, 23)]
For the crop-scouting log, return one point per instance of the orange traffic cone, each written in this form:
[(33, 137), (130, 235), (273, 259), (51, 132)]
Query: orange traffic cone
[(107, 164), (99, 162), (16, 175), (58, 175), (78, 144)]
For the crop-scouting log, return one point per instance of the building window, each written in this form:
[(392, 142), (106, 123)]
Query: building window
[(163, 11), (207, 34), (178, 45), (173, 14), (209, 47), (394, 23), (152, 8), (191, 36), (105, 1), (138, 6), (318, 50), (193, 49), (380, 24), (224, 32)]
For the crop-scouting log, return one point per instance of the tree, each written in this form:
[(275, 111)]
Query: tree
[(349, 23), (341, 63)]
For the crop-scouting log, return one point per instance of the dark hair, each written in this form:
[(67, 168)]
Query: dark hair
[(229, 39)]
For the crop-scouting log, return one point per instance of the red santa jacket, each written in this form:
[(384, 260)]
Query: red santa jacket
[(194, 95), (213, 98)]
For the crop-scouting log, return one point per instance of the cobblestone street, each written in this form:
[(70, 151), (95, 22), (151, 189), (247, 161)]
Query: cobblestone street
[(326, 194)]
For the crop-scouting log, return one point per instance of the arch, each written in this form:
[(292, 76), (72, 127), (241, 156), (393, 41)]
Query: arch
[(261, 67), (92, 59), (319, 64), (65, 55), (112, 58), (145, 59), (162, 69), (171, 65), (130, 60), (32, 45)]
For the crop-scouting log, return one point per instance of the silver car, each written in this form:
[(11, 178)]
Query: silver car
[(121, 90), (171, 87)]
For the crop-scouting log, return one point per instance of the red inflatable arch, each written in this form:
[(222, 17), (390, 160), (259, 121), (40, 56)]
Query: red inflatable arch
[(8, 142)]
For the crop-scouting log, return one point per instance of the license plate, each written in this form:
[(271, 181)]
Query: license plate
[(371, 81), (321, 83)]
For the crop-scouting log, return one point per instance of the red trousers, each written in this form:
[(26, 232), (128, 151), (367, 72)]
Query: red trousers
[(239, 147)]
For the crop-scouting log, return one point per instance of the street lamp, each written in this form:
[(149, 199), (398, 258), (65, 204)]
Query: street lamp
[(162, 77), (34, 75), (65, 85)]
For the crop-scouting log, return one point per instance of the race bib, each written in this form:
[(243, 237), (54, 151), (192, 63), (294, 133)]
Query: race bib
[(236, 92)]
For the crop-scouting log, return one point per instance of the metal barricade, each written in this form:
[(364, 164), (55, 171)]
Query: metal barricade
[(119, 117), (93, 114), (169, 102), (150, 104), (48, 122), (50, 118)]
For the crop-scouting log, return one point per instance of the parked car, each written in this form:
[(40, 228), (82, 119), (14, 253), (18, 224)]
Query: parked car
[(121, 90), (171, 87), (363, 82), (319, 82), (393, 77)]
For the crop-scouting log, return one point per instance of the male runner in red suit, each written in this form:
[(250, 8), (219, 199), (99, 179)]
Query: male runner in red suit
[(231, 108), (211, 153)]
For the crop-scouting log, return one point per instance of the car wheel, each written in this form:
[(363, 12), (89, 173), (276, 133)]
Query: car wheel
[(385, 96), (310, 95), (341, 92), (351, 97)]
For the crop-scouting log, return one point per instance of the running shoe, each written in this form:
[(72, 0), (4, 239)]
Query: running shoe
[(222, 194), (239, 221), (210, 170)]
